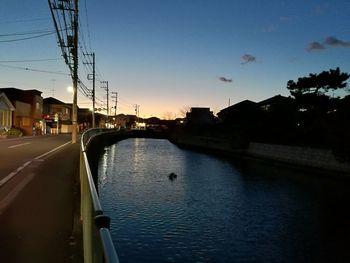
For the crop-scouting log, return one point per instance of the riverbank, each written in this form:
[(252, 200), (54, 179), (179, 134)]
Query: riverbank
[(312, 158), (296, 156)]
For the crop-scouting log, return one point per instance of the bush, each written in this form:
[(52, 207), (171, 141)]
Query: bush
[(11, 132)]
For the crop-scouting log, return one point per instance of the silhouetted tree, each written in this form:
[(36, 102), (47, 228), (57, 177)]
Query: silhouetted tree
[(318, 84), (310, 92), (320, 118)]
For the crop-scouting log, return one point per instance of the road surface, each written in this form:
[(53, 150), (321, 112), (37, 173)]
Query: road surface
[(39, 200)]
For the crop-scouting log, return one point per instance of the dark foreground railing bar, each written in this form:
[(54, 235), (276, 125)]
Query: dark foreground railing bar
[(97, 242), (108, 251), (94, 196)]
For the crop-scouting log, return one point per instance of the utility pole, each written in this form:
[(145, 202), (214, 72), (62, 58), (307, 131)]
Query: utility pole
[(93, 86), (107, 91), (116, 102), (137, 112), (68, 42), (75, 74), (115, 108)]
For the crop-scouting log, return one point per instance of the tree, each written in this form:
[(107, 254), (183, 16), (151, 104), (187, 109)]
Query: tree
[(184, 110), (318, 84), (319, 120), (310, 92)]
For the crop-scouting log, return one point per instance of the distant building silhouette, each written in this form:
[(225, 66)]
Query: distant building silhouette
[(125, 121), (199, 116), (244, 112)]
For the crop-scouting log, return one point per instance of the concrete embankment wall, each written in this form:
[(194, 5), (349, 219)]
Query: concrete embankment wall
[(309, 157), (294, 155), (205, 143)]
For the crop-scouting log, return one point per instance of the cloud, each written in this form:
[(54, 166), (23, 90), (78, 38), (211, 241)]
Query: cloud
[(315, 46), (334, 42), (248, 58), (225, 79), (320, 9), (287, 18), (271, 28), (329, 42)]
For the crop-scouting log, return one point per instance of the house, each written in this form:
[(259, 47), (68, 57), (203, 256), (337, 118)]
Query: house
[(266, 120), (28, 105), (242, 113), (277, 113), (57, 113), (6, 109), (85, 118), (276, 103), (125, 121), (200, 116)]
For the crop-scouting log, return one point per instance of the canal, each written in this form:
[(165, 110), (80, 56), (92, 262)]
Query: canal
[(219, 210)]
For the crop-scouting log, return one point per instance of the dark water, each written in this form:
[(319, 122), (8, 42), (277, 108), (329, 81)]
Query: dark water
[(218, 210)]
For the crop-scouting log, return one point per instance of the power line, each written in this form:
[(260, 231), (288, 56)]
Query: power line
[(22, 21), (27, 38), (36, 70), (29, 60), (68, 43), (87, 24), (28, 33)]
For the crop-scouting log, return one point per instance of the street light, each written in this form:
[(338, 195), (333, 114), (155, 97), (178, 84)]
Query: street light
[(70, 89)]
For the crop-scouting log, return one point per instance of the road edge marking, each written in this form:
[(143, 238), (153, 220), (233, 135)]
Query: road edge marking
[(18, 145), (20, 168), (53, 150)]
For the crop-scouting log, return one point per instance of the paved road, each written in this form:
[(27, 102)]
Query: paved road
[(39, 200), (16, 152)]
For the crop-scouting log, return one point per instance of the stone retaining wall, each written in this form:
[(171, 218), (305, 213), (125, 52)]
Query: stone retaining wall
[(301, 156), (310, 157)]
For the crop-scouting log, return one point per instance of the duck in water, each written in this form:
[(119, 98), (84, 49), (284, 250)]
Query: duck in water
[(172, 176)]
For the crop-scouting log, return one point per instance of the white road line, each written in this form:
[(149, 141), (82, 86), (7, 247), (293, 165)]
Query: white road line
[(18, 145), (7, 200), (53, 150), (12, 174)]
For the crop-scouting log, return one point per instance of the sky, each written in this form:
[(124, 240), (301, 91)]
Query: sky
[(169, 55)]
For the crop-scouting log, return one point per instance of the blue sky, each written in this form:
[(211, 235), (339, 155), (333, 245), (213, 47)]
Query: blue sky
[(166, 55)]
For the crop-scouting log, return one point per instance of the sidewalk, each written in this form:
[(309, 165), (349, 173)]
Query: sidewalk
[(42, 224)]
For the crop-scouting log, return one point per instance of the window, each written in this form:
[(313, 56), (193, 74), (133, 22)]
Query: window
[(26, 121)]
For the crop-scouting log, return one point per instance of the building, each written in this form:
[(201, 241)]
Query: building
[(276, 103), (199, 116), (27, 113), (57, 114), (6, 109), (125, 121), (242, 113), (84, 119)]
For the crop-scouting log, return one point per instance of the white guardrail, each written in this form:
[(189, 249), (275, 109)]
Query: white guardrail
[(97, 242)]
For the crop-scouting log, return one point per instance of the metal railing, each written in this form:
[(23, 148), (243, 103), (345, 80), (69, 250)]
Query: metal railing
[(97, 242)]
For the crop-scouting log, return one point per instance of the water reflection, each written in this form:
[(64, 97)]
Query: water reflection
[(218, 210)]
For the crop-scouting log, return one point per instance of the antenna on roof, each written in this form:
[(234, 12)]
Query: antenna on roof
[(53, 87)]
